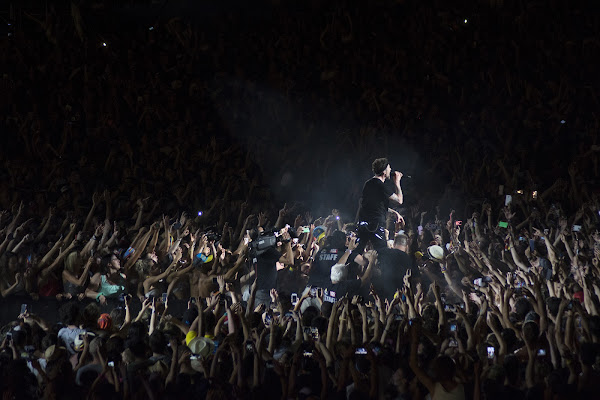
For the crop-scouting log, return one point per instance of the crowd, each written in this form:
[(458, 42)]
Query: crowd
[(502, 304), (143, 168)]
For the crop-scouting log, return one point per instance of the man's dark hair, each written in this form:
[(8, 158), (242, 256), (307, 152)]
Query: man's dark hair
[(137, 346), (158, 341), (379, 165), (522, 307), (337, 240), (553, 303), (69, 313)]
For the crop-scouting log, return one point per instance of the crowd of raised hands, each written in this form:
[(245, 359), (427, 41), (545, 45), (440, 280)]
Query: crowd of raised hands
[(509, 309)]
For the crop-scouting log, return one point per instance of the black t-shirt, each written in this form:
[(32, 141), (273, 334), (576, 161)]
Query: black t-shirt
[(393, 264), (336, 291), (374, 202), (320, 273), (266, 269)]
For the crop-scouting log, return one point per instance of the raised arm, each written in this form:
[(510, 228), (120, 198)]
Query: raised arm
[(397, 196)]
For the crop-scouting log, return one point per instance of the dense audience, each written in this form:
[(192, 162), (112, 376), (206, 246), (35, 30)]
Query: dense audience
[(139, 170)]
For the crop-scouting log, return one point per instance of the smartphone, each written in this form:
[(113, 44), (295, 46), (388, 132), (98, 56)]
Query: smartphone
[(452, 343), (507, 199), (534, 194), (314, 333), (452, 327), (576, 228), (541, 352), (308, 354), (294, 298), (164, 297), (490, 352), (111, 364), (249, 347), (458, 223), (313, 292), (478, 282), (295, 240), (23, 309), (361, 350), (503, 224), (305, 230)]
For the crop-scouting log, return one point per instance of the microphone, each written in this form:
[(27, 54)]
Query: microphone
[(405, 176)]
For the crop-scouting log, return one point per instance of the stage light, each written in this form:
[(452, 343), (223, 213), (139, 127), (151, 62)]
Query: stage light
[(104, 44)]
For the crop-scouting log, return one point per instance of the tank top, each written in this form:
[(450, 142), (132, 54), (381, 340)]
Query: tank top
[(109, 289), (458, 393)]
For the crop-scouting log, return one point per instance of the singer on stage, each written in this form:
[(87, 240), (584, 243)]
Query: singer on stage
[(374, 204)]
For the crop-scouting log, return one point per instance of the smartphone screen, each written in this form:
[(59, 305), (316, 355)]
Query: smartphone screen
[(23, 308), (453, 328), (361, 350), (490, 352), (164, 297), (541, 352), (294, 298)]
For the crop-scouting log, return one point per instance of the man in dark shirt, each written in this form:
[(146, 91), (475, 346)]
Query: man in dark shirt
[(374, 204), (392, 265), (265, 264), (320, 270)]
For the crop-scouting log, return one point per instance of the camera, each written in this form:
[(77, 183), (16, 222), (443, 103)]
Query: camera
[(263, 243)]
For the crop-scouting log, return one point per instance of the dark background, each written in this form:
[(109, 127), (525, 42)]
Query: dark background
[(313, 91)]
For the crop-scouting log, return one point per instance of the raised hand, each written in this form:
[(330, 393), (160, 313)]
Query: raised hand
[(262, 219), (283, 212)]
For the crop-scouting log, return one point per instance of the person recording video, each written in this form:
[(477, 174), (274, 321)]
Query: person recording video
[(375, 204)]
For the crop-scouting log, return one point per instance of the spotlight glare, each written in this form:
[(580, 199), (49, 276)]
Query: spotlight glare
[(104, 44)]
